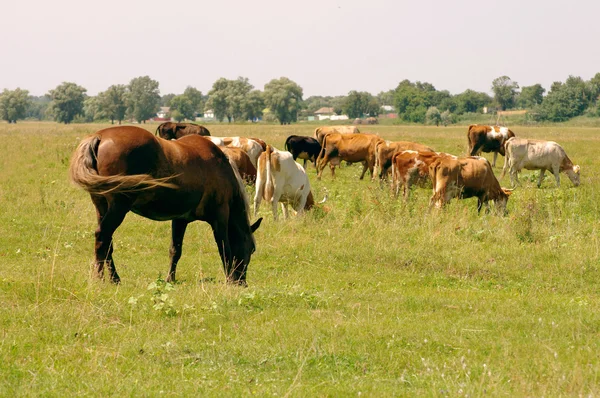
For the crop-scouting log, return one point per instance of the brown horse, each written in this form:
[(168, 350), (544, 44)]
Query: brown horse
[(174, 131), (128, 169)]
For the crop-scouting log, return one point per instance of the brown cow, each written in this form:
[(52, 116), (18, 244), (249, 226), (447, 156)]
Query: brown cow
[(372, 120), (384, 150), (243, 163), (410, 167), (349, 147), (248, 145), (465, 178), (261, 142), (321, 132), (173, 131), (487, 139)]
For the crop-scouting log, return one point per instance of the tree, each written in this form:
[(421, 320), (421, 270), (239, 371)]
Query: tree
[(447, 118), (113, 103), (433, 116), (594, 88), (14, 104), (227, 98), (471, 101), (165, 100), (361, 103), (564, 100), (144, 98), (386, 97), (91, 109), (505, 91), (67, 102), (253, 105), (412, 101), (284, 99), (531, 96), (37, 107), (196, 97), (184, 107)]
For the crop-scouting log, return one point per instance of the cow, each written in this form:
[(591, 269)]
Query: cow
[(349, 147), (466, 178), (410, 167), (487, 139), (372, 120), (281, 179), (540, 155), (242, 161), (173, 131), (248, 145), (321, 132), (261, 142), (306, 148), (357, 121), (384, 150)]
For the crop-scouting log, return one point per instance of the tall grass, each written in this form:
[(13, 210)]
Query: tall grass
[(366, 294)]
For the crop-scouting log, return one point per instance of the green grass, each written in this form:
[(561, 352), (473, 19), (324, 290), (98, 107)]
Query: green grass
[(365, 295)]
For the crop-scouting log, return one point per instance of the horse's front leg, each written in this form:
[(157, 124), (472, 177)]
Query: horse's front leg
[(110, 215), (177, 232), (221, 233)]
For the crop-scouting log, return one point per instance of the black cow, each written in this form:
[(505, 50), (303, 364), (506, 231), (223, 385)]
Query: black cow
[(302, 147)]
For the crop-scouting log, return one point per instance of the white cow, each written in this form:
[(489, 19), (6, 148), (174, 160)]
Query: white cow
[(280, 179), (538, 155)]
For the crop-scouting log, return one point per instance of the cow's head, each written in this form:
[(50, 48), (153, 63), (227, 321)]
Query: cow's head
[(502, 201), (574, 175)]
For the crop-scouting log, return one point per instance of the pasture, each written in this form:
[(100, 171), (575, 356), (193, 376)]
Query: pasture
[(363, 295)]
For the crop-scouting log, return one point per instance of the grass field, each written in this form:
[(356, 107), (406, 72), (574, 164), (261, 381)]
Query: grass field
[(367, 295)]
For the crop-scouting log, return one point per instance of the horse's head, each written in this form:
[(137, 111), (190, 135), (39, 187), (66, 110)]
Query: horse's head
[(243, 246)]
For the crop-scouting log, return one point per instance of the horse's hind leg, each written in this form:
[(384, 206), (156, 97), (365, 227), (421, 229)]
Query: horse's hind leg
[(177, 232), (110, 215)]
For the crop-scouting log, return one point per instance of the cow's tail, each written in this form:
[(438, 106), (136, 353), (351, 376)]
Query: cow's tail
[(83, 171), (507, 156), (269, 188), (322, 151), (433, 171)]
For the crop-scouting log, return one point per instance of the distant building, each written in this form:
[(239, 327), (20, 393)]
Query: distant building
[(163, 115), (387, 108), (209, 114), (324, 113)]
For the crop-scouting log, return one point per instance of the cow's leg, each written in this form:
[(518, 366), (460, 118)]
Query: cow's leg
[(365, 166), (284, 210), (514, 177), (556, 171), (321, 163), (260, 187), (495, 157), (110, 215), (541, 177), (177, 232)]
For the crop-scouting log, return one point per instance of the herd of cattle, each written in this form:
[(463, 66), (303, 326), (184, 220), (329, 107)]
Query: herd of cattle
[(186, 177), (280, 179)]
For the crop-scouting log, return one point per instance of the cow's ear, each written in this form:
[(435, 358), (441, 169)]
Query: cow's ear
[(255, 226), (507, 191), (576, 168)]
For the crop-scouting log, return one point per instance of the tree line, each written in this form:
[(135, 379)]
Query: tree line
[(281, 100)]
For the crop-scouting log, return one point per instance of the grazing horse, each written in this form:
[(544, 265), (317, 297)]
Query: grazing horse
[(127, 168)]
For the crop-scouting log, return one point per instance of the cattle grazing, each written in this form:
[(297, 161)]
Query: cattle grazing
[(538, 155), (242, 161), (349, 147), (411, 167), (384, 150), (281, 179), (372, 120), (306, 148), (173, 131), (261, 142), (248, 145), (487, 139), (321, 132), (465, 178), (357, 121), (128, 169)]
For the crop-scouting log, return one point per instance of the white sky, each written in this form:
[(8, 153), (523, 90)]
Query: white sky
[(328, 47)]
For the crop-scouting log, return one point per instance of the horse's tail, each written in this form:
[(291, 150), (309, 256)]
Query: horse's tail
[(84, 172), (269, 188)]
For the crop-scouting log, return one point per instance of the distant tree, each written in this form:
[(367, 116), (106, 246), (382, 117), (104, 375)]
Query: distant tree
[(144, 98), (594, 88), (178, 116), (284, 99), (67, 102), (471, 101), (112, 103), (184, 107), (433, 116), (227, 98), (505, 91), (91, 109), (531, 96), (196, 97), (564, 101), (447, 118), (413, 100), (165, 100), (37, 107), (14, 104), (253, 105), (217, 98), (386, 97), (361, 103)]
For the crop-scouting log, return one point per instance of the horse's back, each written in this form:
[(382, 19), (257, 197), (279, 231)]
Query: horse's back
[(127, 150)]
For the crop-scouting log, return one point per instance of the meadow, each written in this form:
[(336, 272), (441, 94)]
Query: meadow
[(364, 295)]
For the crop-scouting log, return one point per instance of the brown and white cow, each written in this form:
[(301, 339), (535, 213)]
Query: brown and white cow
[(243, 163), (540, 155), (173, 131), (281, 179), (248, 145), (484, 138), (321, 132), (465, 178), (349, 147), (411, 167), (384, 150)]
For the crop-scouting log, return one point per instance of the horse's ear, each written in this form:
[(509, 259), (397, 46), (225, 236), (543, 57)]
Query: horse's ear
[(255, 226)]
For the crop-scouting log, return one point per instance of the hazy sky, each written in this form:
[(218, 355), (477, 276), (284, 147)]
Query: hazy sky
[(327, 47)]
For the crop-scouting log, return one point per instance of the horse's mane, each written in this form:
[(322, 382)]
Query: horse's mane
[(242, 187)]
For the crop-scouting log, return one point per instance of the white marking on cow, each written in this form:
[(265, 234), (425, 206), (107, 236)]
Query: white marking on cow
[(501, 133)]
